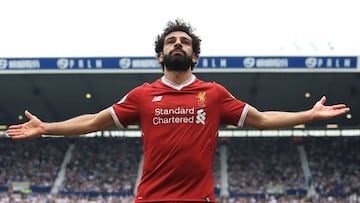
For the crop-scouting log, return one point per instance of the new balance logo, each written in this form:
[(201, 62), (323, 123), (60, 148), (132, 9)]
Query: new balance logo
[(200, 116), (156, 99)]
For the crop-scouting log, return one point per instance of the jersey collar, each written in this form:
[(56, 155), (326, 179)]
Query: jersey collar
[(176, 86)]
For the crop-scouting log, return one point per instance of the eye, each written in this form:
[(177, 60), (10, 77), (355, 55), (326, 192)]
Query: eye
[(170, 41), (186, 41)]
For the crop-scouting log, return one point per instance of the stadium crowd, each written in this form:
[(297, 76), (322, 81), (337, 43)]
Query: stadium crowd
[(96, 163), (255, 164), (106, 169)]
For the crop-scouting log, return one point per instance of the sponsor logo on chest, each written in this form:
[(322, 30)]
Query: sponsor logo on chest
[(181, 115)]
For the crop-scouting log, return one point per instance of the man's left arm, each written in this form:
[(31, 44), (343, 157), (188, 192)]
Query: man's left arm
[(281, 119)]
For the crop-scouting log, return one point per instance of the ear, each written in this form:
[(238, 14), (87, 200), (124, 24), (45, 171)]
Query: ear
[(160, 57), (195, 58)]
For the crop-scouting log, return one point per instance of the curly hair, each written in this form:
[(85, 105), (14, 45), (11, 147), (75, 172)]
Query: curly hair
[(178, 25)]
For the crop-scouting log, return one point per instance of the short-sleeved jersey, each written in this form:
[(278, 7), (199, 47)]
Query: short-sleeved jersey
[(179, 126)]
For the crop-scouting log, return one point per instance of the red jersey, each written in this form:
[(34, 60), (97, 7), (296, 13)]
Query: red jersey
[(180, 128)]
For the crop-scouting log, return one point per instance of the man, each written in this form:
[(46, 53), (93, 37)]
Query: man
[(179, 116)]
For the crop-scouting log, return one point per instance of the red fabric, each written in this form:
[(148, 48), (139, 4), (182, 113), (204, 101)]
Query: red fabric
[(180, 128)]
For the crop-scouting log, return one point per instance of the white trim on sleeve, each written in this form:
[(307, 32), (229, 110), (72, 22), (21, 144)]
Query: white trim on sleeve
[(115, 118), (243, 115)]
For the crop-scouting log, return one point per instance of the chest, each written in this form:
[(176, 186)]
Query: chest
[(176, 107), (178, 102)]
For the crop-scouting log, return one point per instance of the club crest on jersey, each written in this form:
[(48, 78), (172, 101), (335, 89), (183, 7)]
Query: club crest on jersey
[(201, 98)]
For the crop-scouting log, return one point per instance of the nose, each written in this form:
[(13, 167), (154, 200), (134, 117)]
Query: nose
[(178, 45)]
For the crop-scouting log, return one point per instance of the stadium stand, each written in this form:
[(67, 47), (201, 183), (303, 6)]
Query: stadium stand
[(274, 169)]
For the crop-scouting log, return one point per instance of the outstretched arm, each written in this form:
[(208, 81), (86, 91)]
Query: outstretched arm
[(75, 126), (279, 119)]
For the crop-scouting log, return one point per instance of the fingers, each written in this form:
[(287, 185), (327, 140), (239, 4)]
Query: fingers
[(14, 127), (14, 131), (338, 109), (18, 136), (17, 132), (25, 130), (340, 106), (323, 100), (343, 109), (28, 114), (336, 106)]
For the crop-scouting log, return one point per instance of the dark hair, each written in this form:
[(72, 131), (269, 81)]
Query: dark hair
[(178, 25)]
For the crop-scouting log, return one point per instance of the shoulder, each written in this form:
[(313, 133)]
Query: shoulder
[(211, 85), (147, 85), (146, 89), (137, 91)]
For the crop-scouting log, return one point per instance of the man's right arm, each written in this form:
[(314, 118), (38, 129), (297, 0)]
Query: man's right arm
[(75, 126)]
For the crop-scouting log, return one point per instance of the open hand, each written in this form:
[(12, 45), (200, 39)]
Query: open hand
[(321, 111), (30, 129)]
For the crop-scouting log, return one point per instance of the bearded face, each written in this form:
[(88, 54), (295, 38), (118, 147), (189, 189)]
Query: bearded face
[(177, 60)]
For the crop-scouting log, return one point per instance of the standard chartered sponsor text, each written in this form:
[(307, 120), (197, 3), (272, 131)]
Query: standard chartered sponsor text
[(173, 115)]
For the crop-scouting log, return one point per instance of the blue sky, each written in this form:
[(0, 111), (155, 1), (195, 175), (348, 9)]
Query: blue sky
[(43, 28)]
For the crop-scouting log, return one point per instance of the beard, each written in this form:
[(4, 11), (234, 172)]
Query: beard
[(177, 62)]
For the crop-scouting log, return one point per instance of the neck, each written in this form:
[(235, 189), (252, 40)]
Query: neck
[(177, 77)]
